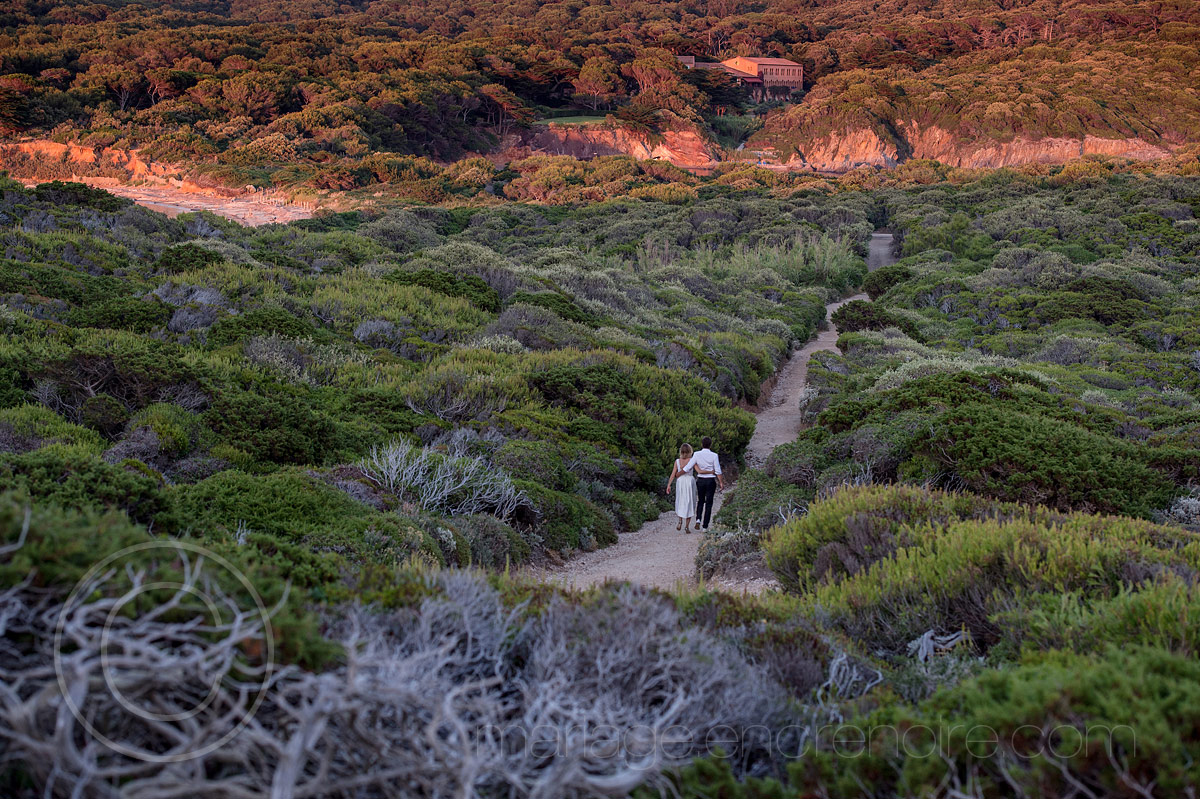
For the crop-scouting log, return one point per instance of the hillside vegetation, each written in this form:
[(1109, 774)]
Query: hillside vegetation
[(345, 385), (1037, 343), (1030, 360), (321, 95)]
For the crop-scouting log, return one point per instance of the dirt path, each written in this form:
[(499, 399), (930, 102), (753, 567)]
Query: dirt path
[(779, 421), (657, 554)]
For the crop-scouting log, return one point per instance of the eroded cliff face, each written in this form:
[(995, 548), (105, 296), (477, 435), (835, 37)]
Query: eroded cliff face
[(119, 167), (852, 149), (849, 150), (160, 186), (683, 148), (843, 152), (127, 160)]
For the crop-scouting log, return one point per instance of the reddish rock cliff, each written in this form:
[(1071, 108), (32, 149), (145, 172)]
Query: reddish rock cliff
[(110, 167), (126, 160), (848, 150), (685, 148), (857, 148)]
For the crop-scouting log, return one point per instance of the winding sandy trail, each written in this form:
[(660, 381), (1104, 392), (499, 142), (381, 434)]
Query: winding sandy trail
[(779, 419), (657, 554)]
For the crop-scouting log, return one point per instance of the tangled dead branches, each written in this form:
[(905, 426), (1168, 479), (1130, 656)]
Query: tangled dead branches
[(460, 697)]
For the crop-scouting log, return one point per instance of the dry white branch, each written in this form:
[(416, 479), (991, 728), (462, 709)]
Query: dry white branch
[(8, 549), (440, 483), (462, 697), (931, 643)]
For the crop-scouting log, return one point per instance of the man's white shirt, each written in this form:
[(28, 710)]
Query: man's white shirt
[(705, 461)]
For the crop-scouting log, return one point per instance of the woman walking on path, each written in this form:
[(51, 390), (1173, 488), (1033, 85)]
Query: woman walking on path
[(685, 496)]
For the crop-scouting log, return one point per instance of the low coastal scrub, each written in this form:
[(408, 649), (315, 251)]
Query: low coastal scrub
[(358, 385), (1023, 362), (997, 475), (887, 564), (649, 661), (983, 536), (1046, 616)]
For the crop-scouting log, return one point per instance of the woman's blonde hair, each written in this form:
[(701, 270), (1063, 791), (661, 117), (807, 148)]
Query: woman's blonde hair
[(685, 451)]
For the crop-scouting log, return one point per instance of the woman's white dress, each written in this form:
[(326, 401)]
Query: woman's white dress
[(685, 493)]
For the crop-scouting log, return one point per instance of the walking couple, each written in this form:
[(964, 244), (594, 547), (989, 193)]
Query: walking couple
[(696, 476)]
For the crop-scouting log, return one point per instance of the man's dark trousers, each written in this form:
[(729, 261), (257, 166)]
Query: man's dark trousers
[(706, 489)]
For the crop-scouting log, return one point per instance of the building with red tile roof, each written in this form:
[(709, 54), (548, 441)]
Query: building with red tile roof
[(746, 78), (776, 74)]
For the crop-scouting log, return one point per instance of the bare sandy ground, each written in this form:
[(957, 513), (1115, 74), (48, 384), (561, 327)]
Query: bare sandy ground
[(251, 209), (660, 556), (656, 555)]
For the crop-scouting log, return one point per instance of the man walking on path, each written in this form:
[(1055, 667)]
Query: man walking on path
[(708, 476)]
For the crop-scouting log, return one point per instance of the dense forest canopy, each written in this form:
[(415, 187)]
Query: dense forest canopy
[(259, 83)]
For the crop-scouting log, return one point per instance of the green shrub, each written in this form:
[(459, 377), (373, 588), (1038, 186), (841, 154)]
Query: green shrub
[(889, 564), (58, 282), (132, 369), (34, 426), (66, 193), (1158, 607), (561, 304), (640, 411), (1017, 456), (185, 258), (738, 367), (284, 424), (878, 282), (932, 394), (955, 236), (958, 578), (178, 430), (1004, 432), (564, 521), (103, 413), (73, 477), (759, 501), (793, 463), (124, 313), (860, 315), (493, 544), (1043, 728), (290, 504), (535, 461), (63, 544), (856, 526), (635, 508), (470, 287), (311, 517), (710, 778), (12, 392), (265, 321)]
